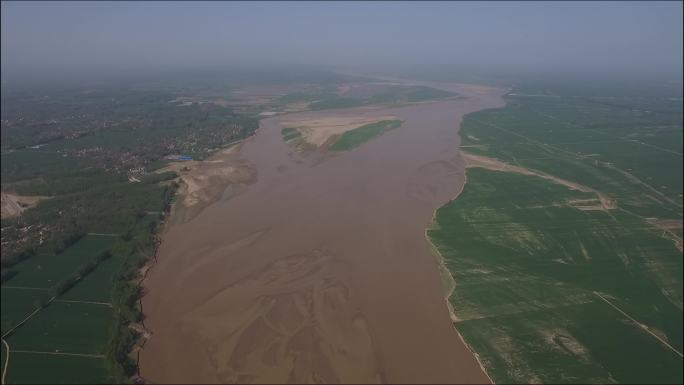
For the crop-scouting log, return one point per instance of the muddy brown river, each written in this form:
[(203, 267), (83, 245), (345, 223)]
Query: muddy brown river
[(320, 270)]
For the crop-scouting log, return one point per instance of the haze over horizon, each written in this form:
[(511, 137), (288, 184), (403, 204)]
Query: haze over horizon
[(50, 40)]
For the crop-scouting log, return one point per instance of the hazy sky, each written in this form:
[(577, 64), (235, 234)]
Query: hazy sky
[(44, 38)]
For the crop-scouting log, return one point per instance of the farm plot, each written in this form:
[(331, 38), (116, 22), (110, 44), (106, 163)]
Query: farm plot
[(41, 368), (18, 303), (97, 286), (630, 150), (65, 335), (44, 271), (65, 327), (550, 292)]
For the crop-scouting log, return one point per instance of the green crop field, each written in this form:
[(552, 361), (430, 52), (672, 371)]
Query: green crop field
[(39, 368), (354, 138), (630, 148), (97, 286), (17, 304), (550, 286), (43, 271), (75, 330), (539, 284), (67, 327), (30, 163), (328, 98)]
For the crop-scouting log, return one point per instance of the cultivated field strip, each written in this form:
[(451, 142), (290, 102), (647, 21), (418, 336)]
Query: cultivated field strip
[(65, 335), (526, 282)]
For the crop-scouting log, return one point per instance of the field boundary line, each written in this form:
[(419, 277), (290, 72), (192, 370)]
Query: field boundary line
[(87, 302), (105, 234), (25, 288), (4, 370), (27, 318), (642, 326), (61, 353)]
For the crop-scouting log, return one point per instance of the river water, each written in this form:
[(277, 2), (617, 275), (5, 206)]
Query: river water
[(320, 270)]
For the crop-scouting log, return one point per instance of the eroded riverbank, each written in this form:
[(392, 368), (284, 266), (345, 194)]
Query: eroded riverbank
[(319, 270)]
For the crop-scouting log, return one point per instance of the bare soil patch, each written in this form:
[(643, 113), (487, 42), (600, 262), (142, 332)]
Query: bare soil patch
[(205, 182), (13, 205)]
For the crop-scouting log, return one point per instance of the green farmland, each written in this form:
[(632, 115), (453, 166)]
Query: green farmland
[(18, 303), (38, 368), (549, 285), (385, 95), (43, 271), (97, 286), (68, 310), (354, 138), (532, 273), (68, 327), (628, 148), (63, 334), (69, 332)]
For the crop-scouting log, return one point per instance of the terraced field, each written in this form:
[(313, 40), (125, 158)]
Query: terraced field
[(551, 284)]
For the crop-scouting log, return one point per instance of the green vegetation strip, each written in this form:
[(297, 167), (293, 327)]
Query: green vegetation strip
[(290, 133), (385, 95), (354, 138), (533, 274)]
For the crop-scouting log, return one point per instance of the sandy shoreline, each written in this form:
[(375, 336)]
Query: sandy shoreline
[(318, 271)]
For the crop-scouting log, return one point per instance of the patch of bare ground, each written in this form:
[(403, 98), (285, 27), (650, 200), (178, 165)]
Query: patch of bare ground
[(13, 205), (205, 182), (472, 160)]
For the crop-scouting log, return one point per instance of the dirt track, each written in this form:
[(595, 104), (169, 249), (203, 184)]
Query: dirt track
[(319, 271)]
